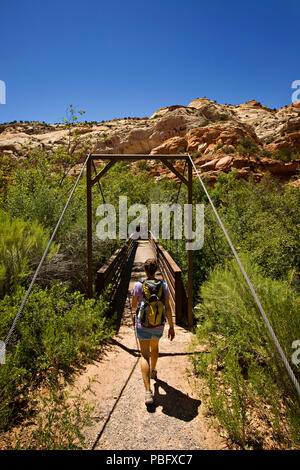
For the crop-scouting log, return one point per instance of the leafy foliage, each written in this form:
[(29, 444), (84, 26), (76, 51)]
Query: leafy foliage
[(35, 196), (247, 146), (21, 245), (263, 220), (243, 369), (56, 330)]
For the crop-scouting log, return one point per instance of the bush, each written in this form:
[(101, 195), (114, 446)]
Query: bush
[(246, 378), (142, 165), (7, 169), (56, 420), (21, 247), (247, 146), (223, 117), (35, 196), (262, 219), (69, 265), (56, 330), (286, 155), (57, 424)]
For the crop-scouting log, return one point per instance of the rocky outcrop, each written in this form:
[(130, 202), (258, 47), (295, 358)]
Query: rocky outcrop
[(211, 110), (206, 139), (166, 123), (278, 167), (289, 138), (248, 137)]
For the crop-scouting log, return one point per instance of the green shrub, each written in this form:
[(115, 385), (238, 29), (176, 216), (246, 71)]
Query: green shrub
[(37, 197), (227, 150), (56, 330), (262, 219), (22, 244), (7, 169), (244, 371), (142, 165), (286, 155), (217, 147), (69, 265), (247, 146), (223, 117)]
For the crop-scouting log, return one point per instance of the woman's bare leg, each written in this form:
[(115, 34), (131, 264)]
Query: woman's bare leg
[(154, 352), (145, 366)]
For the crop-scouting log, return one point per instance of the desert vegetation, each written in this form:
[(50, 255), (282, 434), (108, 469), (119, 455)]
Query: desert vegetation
[(241, 379)]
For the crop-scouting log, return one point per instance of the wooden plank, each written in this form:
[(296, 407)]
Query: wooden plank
[(168, 258), (169, 274), (111, 271), (178, 298)]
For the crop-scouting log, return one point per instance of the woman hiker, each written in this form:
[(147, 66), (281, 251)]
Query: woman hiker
[(151, 298)]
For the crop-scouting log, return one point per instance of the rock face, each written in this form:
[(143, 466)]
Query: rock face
[(164, 124), (206, 139), (249, 138)]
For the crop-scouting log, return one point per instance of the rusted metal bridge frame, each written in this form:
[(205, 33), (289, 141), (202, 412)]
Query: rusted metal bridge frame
[(111, 159)]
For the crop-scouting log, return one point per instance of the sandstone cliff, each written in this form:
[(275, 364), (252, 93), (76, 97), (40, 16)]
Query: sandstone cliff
[(250, 138)]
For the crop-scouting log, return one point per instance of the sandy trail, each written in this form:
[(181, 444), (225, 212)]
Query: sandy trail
[(122, 421)]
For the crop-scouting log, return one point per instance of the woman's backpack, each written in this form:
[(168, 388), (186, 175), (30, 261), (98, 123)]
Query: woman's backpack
[(152, 310)]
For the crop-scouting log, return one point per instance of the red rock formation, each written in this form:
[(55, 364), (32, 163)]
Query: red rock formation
[(209, 130), (205, 139)]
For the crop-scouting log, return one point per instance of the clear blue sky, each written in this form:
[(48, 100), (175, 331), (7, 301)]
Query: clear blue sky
[(119, 58)]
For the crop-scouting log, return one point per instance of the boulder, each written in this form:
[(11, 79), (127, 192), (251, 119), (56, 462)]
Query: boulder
[(210, 165), (224, 163), (278, 167), (170, 146), (240, 162)]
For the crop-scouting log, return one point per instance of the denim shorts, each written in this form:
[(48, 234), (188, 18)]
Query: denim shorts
[(148, 333)]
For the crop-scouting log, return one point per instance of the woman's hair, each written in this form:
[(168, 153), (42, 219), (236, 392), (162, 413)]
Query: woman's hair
[(150, 266)]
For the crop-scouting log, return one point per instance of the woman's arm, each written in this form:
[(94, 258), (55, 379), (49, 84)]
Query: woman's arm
[(171, 332), (134, 303)]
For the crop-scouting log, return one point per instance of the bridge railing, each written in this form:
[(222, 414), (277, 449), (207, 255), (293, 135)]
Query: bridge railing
[(111, 271), (172, 274)]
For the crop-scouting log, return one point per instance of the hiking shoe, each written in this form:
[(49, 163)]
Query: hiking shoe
[(154, 374), (149, 398)]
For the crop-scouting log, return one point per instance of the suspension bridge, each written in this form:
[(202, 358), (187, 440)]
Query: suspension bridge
[(126, 265)]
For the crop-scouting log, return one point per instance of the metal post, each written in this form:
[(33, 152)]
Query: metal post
[(190, 252), (89, 226)]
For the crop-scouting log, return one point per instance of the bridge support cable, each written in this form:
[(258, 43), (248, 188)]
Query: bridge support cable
[(44, 256), (271, 331)]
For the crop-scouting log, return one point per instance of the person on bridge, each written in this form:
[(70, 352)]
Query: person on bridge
[(150, 300)]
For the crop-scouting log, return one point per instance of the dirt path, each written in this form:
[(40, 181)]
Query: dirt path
[(122, 421)]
